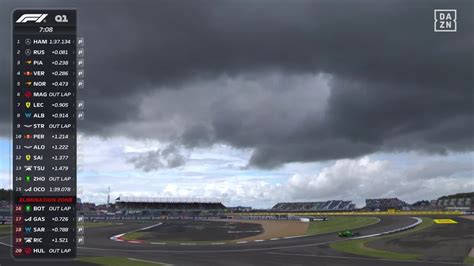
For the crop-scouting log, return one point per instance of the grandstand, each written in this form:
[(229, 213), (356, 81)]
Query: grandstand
[(5, 211), (168, 206), (330, 205), (4, 204), (385, 204), (454, 203), (239, 209)]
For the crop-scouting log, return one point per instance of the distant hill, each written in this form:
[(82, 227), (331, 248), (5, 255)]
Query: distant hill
[(5, 194), (457, 196)]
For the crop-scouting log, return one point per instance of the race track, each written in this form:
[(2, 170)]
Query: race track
[(308, 250)]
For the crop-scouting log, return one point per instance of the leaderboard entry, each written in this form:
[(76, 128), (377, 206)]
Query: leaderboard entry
[(44, 134)]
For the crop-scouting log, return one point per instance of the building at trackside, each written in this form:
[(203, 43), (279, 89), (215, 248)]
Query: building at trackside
[(168, 206), (330, 205)]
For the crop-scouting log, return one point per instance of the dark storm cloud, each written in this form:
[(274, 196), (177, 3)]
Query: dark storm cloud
[(396, 85)]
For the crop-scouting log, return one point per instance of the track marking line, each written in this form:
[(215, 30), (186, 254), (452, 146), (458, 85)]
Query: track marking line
[(158, 243), (149, 227), (418, 221), (242, 242), (218, 251), (248, 231), (7, 245), (273, 239), (291, 237), (361, 258), (135, 241), (119, 236), (219, 243), (259, 240)]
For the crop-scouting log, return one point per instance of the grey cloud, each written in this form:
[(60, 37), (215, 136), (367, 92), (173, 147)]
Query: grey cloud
[(170, 157), (395, 84), (440, 168), (366, 178)]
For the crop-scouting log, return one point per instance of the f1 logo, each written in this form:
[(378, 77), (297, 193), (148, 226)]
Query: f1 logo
[(37, 18), (445, 20)]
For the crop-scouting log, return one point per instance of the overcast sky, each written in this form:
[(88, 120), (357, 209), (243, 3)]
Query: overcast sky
[(263, 101)]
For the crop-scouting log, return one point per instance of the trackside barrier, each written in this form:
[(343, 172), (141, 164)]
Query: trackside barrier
[(267, 217), (148, 218), (407, 213)]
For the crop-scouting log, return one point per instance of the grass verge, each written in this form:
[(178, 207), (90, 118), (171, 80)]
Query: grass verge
[(114, 261), (359, 247), (469, 260), (5, 229), (100, 224), (133, 236), (335, 224)]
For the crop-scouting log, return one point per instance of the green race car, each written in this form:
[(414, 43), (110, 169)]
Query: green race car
[(347, 233)]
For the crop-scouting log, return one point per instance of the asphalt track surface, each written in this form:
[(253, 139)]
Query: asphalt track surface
[(201, 230), (440, 242), (310, 250)]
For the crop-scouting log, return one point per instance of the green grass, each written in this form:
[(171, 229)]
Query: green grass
[(114, 261), (99, 224), (469, 260), (335, 224), (359, 247), (5, 229), (133, 236)]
